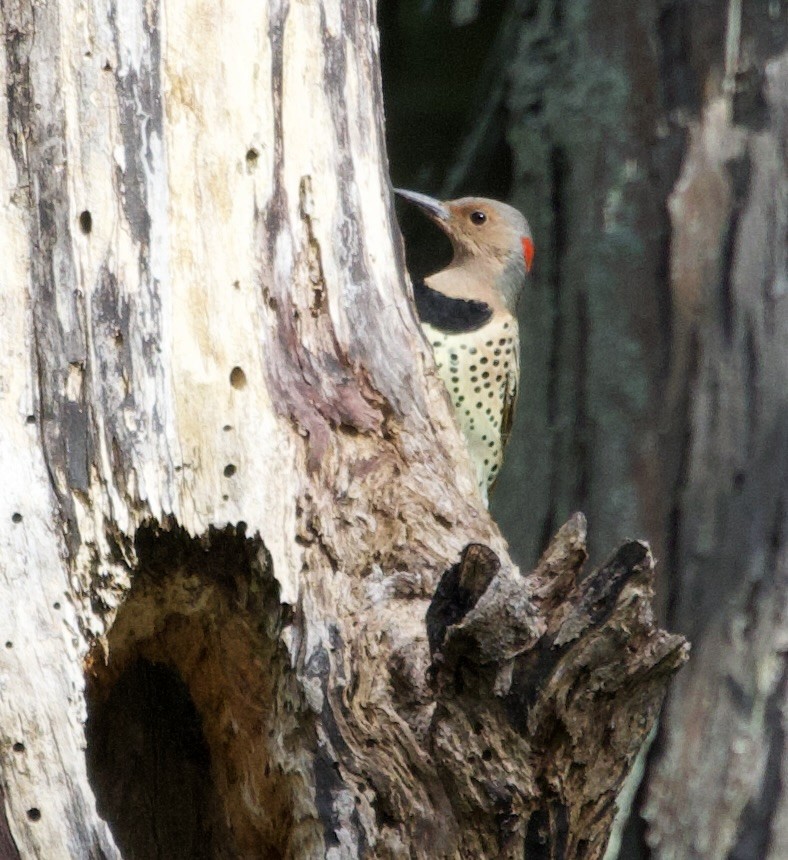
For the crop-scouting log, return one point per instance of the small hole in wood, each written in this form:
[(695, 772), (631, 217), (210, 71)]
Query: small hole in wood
[(31, 419), (229, 470), (85, 222), (16, 518), (107, 67), (251, 157), (19, 747), (487, 755), (227, 428), (56, 604), (9, 644), (34, 814), (237, 378)]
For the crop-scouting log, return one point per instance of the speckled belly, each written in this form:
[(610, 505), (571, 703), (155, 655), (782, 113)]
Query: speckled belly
[(480, 371)]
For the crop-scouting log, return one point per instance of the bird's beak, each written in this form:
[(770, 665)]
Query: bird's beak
[(434, 208)]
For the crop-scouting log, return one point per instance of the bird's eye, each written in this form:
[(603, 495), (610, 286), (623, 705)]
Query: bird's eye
[(478, 217)]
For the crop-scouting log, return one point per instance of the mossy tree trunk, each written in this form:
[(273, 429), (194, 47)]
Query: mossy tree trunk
[(251, 603)]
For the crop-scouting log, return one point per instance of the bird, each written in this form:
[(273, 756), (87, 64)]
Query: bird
[(468, 312)]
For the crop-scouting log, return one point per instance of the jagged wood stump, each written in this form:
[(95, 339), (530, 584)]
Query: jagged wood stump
[(545, 683)]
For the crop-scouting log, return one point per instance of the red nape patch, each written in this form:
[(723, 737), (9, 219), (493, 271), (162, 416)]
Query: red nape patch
[(528, 252)]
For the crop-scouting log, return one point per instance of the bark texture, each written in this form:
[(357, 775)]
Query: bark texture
[(646, 144), (729, 279), (234, 620)]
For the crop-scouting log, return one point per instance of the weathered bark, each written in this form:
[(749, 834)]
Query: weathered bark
[(577, 695), (235, 490), (721, 792), (648, 149)]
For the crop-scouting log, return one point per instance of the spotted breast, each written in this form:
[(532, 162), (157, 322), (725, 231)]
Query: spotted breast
[(477, 355)]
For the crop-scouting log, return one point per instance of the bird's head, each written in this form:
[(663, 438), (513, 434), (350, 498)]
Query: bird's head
[(484, 234)]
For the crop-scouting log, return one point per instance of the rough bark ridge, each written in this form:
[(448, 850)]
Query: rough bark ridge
[(560, 708), (234, 482), (729, 214)]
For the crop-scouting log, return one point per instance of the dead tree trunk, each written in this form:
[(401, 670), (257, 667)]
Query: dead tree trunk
[(235, 617)]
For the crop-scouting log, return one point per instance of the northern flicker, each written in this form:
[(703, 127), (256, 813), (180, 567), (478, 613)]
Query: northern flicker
[(468, 313)]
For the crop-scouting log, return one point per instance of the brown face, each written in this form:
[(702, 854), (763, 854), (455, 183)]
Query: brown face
[(487, 227)]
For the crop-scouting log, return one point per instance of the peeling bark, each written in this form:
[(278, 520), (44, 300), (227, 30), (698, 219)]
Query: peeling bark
[(235, 488)]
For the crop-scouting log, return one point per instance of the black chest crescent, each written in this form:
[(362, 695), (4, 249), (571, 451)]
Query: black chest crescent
[(449, 315)]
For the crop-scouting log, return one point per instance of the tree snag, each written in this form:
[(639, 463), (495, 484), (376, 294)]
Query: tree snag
[(234, 486)]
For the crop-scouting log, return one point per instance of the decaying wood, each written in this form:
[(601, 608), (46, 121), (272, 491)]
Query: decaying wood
[(551, 677), (234, 486)]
